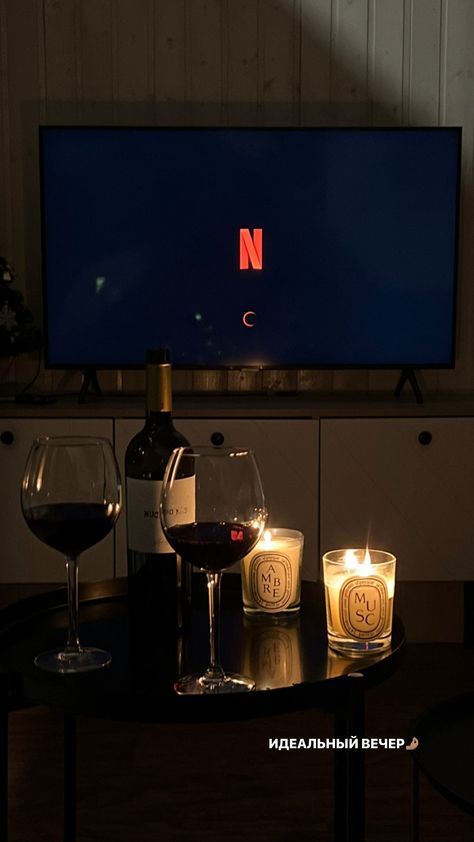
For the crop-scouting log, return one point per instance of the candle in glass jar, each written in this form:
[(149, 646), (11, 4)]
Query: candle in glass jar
[(271, 573), (359, 586)]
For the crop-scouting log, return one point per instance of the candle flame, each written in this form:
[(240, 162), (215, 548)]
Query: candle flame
[(267, 536), (363, 567), (350, 560)]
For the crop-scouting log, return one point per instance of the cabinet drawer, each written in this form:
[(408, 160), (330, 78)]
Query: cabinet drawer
[(287, 455), (24, 557), (404, 485)]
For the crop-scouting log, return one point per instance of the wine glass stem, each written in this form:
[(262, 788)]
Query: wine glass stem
[(72, 645), (214, 593)]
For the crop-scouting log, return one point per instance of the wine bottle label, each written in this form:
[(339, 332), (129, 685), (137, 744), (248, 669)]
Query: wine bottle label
[(363, 606), (144, 531)]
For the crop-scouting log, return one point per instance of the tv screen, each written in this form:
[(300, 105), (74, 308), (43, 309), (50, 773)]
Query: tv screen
[(250, 247)]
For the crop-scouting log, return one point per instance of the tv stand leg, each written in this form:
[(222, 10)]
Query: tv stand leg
[(89, 379), (408, 376), (4, 756), (69, 777)]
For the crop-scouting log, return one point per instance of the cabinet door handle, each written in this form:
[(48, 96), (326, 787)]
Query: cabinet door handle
[(7, 437), (425, 437), (217, 439)]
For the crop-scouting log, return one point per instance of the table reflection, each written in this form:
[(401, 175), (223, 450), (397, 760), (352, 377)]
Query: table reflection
[(271, 651)]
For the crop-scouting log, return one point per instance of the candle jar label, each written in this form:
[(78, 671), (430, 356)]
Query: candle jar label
[(270, 580), (363, 607)]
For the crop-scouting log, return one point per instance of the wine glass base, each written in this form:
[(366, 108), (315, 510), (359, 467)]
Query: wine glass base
[(201, 684), (68, 663)]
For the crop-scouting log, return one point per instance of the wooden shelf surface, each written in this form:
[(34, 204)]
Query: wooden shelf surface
[(311, 405)]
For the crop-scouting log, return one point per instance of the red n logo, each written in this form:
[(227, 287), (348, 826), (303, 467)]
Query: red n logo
[(251, 248)]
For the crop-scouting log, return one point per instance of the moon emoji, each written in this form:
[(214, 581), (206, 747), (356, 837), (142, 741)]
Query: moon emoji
[(247, 318)]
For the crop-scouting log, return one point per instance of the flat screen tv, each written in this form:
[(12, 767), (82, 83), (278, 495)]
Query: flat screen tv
[(273, 248)]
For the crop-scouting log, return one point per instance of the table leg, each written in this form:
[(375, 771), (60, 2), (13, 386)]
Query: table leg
[(4, 758), (349, 766), (415, 803), (69, 777)]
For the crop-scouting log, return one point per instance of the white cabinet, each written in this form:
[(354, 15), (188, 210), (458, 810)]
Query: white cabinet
[(404, 485), (23, 558), (287, 454), (341, 481)]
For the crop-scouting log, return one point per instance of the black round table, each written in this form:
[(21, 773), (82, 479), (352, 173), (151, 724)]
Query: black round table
[(288, 659), (444, 754)]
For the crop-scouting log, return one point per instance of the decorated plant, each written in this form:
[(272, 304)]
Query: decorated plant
[(18, 332)]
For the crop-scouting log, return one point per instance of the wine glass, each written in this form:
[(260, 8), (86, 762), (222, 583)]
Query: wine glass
[(223, 523), (71, 497)]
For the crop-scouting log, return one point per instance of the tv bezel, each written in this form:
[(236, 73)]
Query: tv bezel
[(304, 366)]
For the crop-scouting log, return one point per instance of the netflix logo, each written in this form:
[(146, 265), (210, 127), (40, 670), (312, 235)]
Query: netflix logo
[(251, 248)]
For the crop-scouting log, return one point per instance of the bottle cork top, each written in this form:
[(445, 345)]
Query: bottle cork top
[(157, 356)]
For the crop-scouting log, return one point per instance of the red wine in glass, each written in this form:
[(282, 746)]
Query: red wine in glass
[(71, 528), (71, 497), (213, 546)]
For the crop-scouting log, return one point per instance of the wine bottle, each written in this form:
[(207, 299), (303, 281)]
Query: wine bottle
[(158, 581)]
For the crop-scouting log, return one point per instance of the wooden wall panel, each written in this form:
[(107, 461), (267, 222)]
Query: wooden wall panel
[(61, 61), (279, 61), (268, 62), (241, 64), (133, 62), (96, 66), (457, 67), (315, 74), (424, 56), (213, 380), (349, 61), (171, 89), (204, 61), (245, 380), (385, 61)]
